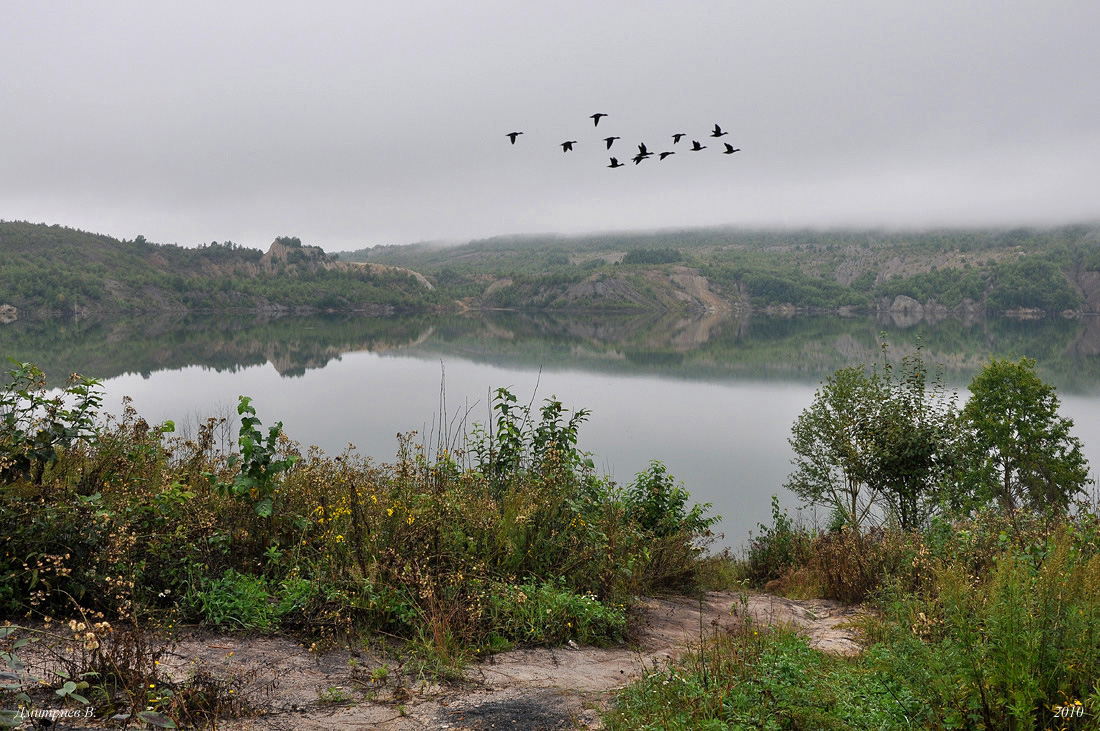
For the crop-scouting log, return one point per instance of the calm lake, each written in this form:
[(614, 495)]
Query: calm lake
[(713, 398)]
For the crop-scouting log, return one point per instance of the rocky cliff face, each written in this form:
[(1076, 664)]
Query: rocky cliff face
[(680, 288), (313, 257)]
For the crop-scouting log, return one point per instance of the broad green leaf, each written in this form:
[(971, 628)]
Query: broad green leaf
[(265, 507)]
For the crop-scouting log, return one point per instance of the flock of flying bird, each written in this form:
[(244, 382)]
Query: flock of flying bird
[(643, 152)]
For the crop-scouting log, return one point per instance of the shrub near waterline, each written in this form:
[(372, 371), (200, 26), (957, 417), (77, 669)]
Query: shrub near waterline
[(658, 504), (779, 549)]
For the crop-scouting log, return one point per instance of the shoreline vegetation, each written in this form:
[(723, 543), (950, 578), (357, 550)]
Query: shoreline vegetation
[(937, 274), (967, 530)]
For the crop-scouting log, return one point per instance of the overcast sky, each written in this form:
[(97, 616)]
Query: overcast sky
[(359, 123)]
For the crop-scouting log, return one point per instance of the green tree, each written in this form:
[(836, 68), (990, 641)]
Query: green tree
[(1018, 449), (914, 438), (833, 445), (887, 436)]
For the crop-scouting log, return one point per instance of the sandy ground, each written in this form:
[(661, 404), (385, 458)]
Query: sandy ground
[(531, 689), (534, 689)]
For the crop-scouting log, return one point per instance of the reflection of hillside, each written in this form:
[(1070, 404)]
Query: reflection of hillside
[(657, 331), (104, 348), (724, 345), (712, 346), (1087, 342)]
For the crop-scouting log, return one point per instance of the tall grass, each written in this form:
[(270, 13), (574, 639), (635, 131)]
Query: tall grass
[(757, 677)]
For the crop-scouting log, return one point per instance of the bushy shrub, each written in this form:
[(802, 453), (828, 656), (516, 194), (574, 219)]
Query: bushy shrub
[(778, 549), (672, 535), (848, 563), (34, 429)]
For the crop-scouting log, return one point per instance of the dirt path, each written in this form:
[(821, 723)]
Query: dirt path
[(534, 689)]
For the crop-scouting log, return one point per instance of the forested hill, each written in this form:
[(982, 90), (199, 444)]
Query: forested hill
[(963, 272), (930, 273), (57, 269)]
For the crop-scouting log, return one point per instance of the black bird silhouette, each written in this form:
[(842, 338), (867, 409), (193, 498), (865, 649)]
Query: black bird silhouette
[(729, 149), (695, 146), (615, 163), (609, 140), (639, 157), (642, 150), (676, 137), (596, 118), (568, 145), (666, 154), (718, 132), (512, 136)]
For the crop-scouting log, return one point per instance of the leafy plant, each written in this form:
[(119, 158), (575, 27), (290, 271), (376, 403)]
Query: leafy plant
[(550, 614), (659, 504), (671, 535), (34, 428), (243, 601), (514, 444), (260, 466)]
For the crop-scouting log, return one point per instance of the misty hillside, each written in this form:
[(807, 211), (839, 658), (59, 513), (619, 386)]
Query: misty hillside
[(996, 270), (58, 269)]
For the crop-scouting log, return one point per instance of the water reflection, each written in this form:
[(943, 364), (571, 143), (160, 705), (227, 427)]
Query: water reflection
[(713, 346)]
